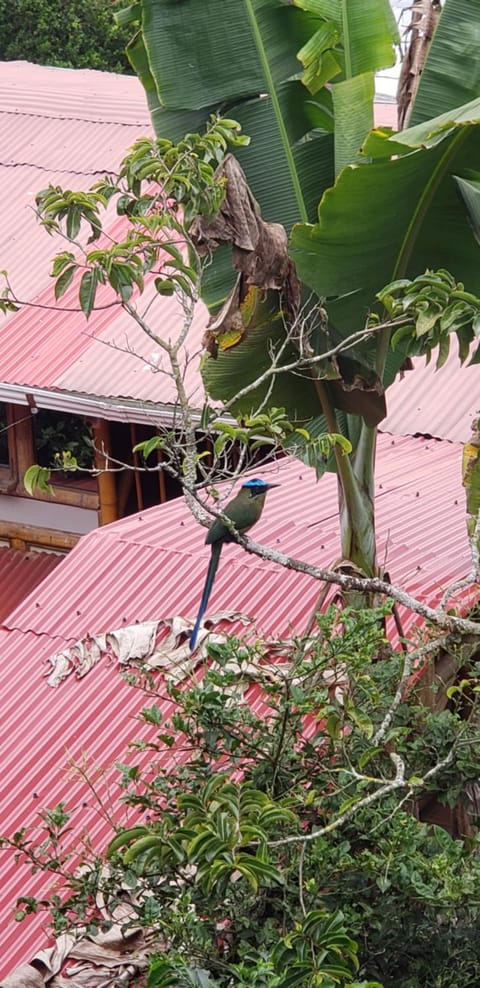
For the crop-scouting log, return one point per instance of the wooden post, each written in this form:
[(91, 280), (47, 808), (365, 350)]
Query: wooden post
[(107, 488), (136, 463), (161, 479), (24, 442)]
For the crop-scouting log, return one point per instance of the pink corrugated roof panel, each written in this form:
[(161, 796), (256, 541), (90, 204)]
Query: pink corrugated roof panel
[(123, 361), (20, 573), (386, 115), (152, 565), (68, 146), (73, 94), (26, 250), (62, 127), (440, 403), (418, 483), (109, 355), (69, 127)]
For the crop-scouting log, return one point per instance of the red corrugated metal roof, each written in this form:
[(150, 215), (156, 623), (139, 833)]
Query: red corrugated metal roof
[(439, 403), (20, 573), (152, 565), (62, 127), (68, 127), (109, 356), (72, 94)]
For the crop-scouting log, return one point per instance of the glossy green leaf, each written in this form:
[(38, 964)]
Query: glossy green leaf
[(74, 220), (60, 262), (358, 246), (245, 54), (469, 188), (37, 478), (88, 291), (368, 31), (353, 108), (64, 280)]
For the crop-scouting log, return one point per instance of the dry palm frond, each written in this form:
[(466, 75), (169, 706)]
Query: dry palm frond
[(423, 21)]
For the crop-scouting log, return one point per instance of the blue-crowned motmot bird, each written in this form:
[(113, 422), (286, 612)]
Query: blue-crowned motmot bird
[(243, 511)]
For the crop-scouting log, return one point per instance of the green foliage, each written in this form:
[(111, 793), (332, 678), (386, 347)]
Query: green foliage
[(256, 74), (299, 78), (63, 444), (275, 849), (37, 478), (6, 302), (438, 307), (269, 429), (157, 238), (215, 834), (77, 34), (62, 441), (184, 171)]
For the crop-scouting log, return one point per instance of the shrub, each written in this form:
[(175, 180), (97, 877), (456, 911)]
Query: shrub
[(76, 34), (288, 856)]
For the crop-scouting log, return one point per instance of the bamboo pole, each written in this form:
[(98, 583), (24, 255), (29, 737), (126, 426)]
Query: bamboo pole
[(107, 488)]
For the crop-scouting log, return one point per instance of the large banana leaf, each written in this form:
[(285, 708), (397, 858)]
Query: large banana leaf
[(394, 216), (380, 220), (451, 75), (247, 57), (265, 62), (400, 212)]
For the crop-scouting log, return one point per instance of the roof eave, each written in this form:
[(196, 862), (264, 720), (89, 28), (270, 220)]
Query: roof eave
[(92, 406)]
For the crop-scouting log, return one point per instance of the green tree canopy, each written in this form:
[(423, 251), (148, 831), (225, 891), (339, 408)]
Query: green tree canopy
[(75, 34)]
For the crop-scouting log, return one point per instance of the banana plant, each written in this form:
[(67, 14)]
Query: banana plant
[(267, 63), (361, 207), (414, 204)]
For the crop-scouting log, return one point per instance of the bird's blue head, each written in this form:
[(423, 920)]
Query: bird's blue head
[(256, 487)]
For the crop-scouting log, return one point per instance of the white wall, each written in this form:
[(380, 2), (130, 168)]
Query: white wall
[(44, 514)]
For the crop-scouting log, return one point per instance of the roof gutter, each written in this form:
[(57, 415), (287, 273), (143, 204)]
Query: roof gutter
[(91, 406)]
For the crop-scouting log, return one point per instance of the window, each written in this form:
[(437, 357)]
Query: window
[(56, 433)]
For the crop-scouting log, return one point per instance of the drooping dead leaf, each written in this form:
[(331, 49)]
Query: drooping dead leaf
[(259, 248), (355, 389), (118, 956), (137, 644), (267, 289), (231, 323), (24, 976), (134, 642), (259, 254)]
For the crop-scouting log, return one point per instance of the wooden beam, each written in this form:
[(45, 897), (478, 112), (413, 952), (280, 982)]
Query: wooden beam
[(22, 429), (45, 538), (137, 474), (161, 479), (107, 488), (68, 495)]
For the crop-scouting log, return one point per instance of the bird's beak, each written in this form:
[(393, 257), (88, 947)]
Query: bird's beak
[(269, 486)]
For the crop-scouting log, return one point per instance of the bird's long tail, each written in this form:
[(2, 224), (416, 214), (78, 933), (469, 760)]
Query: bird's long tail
[(212, 569)]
